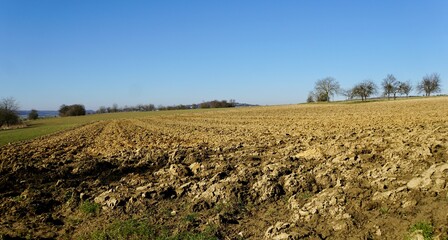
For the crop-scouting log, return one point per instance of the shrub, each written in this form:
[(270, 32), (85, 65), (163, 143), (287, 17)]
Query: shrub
[(322, 97), (310, 97), (8, 112), (33, 115), (8, 117), (72, 110)]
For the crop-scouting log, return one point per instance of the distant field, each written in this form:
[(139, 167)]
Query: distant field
[(46, 126)]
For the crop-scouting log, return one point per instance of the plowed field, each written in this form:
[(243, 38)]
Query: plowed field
[(323, 171)]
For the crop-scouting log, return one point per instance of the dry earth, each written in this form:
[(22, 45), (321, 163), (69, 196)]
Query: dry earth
[(331, 171)]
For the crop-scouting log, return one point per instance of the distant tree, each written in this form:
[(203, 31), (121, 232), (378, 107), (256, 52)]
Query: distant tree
[(102, 109), (8, 112), (430, 84), (310, 97), (9, 103), (326, 88), (218, 104), (33, 115), (148, 107), (209, 104), (114, 108), (390, 86), (365, 89), (404, 88), (215, 104), (72, 110), (348, 93), (204, 105), (63, 110), (232, 103), (322, 97)]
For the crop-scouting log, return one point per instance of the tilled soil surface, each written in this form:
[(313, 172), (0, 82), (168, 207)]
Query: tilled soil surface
[(330, 171)]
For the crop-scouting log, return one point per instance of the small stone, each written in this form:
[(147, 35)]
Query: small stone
[(303, 213), (378, 231), (409, 203), (340, 225)]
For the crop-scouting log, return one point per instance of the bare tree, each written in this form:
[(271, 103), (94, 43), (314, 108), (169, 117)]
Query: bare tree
[(9, 104), (405, 88), (348, 93), (390, 86), (365, 89), (326, 88), (430, 84)]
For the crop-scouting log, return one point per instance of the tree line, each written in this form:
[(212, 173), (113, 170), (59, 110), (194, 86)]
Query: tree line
[(9, 108), (327, 87), (137, 108), (324, 89), (151, 107)]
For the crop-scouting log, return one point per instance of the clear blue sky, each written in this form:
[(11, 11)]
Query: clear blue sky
[(181, 52)]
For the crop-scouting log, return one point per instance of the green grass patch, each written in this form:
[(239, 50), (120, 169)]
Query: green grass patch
[(426, 229), (45, 126), (88, 207), (140, 229)]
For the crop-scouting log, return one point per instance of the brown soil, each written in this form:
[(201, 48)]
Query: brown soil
[(333, 171)]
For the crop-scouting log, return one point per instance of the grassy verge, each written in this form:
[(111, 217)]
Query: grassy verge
[(41, 127)]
